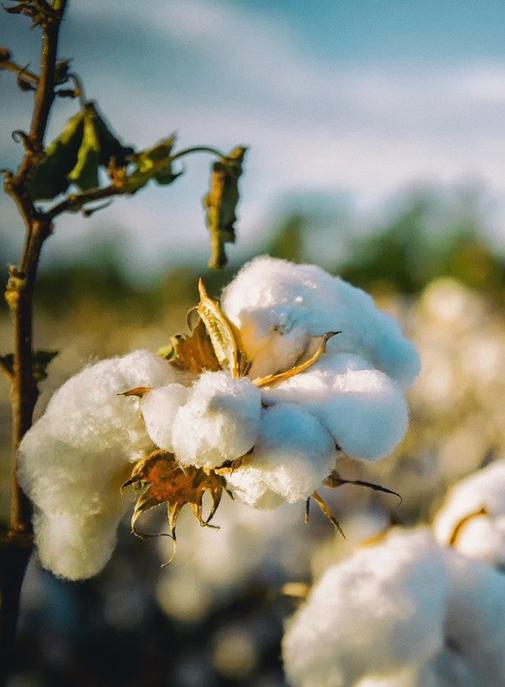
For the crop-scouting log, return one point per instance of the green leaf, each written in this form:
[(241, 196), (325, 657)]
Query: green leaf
[(111, 147), (50, 176), (221, 204), (85, 172)]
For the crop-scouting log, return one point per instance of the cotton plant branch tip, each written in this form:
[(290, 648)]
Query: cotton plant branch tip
[(139, 391), (297, 369), (334, 480), (327, 512)]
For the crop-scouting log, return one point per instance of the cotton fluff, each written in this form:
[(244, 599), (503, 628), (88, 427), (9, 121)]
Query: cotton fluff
[(219, 422), (363, 409), (480, 536), (377, 613), (278, 306), (159, 409), (292, 456), (72, 461)]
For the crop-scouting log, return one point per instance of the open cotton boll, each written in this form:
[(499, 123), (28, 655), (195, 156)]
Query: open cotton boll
[(363, 409), (377, 613), (159, 408), (278, 306), (472, 518), (292, 456), (219, 422)]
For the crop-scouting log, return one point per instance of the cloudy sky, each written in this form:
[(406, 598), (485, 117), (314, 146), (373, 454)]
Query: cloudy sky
[(353, 99)]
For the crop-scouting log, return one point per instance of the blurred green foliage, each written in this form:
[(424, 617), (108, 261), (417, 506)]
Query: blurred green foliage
[(429, 236)]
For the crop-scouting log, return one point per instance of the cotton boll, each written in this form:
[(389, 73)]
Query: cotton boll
[(474, 623), (76, 546), (472, 517), (219, 422), (376, 614), (159, 408), (278, 306), (364, 410), (74, 459), (292, 456)]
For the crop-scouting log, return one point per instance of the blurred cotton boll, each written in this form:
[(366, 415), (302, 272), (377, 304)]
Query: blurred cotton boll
[(293, 454), (278, 306), (472, 517), (402, 613), (377, 613), (219, 422), (73, 460)]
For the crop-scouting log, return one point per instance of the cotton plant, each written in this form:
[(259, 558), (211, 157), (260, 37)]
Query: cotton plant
[(290, 371), (405, 612)]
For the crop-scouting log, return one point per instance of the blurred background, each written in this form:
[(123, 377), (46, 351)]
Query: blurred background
[(377, 140)]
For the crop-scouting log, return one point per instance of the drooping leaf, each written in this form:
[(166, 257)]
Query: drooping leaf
[(221, 203), (49, 178), (163, 480)]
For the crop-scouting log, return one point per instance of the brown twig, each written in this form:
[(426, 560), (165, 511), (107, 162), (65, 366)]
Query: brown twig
[(16, 548), (11, 66)]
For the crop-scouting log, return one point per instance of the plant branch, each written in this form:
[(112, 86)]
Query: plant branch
[(76, 201), (11, 66), (199, 149), (16, 547)]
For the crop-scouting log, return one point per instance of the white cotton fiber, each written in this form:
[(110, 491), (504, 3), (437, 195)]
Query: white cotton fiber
[(474, 624), (159, 408), (292, 456), (458, 522), (77, 545), (219, 422), (376, 614), (73, 460), (363, 409), (278, 306)]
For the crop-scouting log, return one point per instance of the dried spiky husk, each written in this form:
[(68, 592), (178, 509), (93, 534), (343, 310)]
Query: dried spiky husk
[(162, 480)]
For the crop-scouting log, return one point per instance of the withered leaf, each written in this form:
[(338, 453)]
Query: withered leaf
[(221, 203), (163, 480)]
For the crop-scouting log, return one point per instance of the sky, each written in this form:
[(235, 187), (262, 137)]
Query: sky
[(340, 101)]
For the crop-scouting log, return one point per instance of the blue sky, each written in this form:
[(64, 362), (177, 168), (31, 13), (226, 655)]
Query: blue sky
[(354, 99)]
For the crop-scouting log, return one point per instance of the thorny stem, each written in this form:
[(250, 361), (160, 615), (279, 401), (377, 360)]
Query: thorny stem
[(15, 549)]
